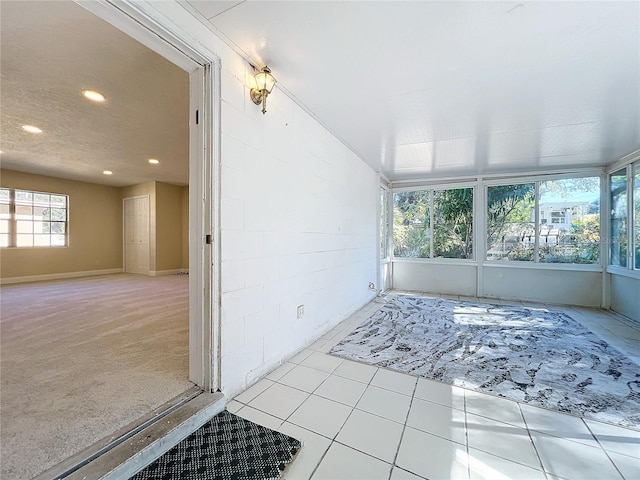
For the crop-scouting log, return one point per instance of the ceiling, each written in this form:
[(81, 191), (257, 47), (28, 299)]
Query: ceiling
[(417, 89), (51, 51), (434, 89)]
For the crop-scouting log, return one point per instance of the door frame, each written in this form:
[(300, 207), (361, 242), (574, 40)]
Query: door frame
[(124, 230), (146, 22)]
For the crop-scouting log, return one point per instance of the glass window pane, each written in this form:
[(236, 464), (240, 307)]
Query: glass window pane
[(24, 240), (636, 214), (4, 239), (41, 213), (618, 186), (57, 227), (24, 212), (510, 222), (24, 227), (5, 195), (453, 223), (59, 214), (42, 198), (569, 212), (411, 224), (4, 226), (24, 197), (4, 211), (58, 240), (59, 200), (384, 238), (42, 240)]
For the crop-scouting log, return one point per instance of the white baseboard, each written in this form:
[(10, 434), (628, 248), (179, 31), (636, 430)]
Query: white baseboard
[(159, 273), (58, 276)]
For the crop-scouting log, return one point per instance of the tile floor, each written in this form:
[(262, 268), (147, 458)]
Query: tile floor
[(361, 422)]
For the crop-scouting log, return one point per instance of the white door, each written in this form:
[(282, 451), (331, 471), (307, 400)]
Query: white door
[(136, 235)]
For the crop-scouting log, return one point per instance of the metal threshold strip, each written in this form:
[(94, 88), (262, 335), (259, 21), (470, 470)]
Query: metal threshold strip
[(101, 447)]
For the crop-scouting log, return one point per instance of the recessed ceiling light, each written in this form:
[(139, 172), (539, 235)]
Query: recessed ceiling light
[(154, 161), (107, 172), (31, 129), (93, 95)]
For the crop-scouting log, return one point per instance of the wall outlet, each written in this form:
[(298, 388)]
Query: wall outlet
[(300, 311), (372, 286)]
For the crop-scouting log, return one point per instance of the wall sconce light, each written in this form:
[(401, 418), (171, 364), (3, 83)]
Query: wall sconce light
[(264, 84)]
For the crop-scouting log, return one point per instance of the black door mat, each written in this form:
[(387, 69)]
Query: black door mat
[(227, 447)]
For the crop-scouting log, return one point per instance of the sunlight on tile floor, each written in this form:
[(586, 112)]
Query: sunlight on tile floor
[(360, 422)]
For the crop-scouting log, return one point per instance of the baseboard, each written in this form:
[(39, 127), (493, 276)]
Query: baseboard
[(58, 276), (160, 273)]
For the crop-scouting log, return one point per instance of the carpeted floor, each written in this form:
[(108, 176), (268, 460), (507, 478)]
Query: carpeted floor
[(535, 356), (84, 357), (226, 448)]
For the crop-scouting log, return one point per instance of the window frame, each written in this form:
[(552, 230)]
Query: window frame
[(13, 221), (433, 187), (629, 164)]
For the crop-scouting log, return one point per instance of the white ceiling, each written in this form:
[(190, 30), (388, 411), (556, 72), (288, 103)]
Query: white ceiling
[(51, 51), (433, 89), (417, 89)]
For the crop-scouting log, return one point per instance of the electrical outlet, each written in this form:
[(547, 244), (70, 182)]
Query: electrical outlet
[(372, 286), (300, 311)]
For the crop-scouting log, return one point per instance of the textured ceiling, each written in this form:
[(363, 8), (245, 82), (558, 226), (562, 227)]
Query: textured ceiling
[(434, 89), (51, 51)]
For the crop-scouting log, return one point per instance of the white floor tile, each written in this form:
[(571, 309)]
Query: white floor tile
[(261, 418), (279, 400), (572, 460), (281, 371), (319, 345), (341, 390), (484, 466), (616, 439), (313, 448), (497, 408), (432, 457), (253, 391), (320, 415), (356, 371), (628, 466), (304, 378), (322, 361), (344, 463), (557, 424), (438, 420), (385, 403), (501, 439), (399, 474), (234, 406), (436, 392), (394, 381), (298, 358), (371, 434)]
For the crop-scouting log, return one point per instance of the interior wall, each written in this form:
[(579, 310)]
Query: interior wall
[(169, 227), (451, 278), (625, 297), (570, 287), (299, 213), (95, 230)]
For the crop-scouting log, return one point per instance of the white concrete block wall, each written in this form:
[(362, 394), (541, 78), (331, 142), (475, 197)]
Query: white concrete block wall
[(298, 227)]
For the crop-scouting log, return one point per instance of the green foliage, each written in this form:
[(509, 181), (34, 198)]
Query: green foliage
[(508, 204)]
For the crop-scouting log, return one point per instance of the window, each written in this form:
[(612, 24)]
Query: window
[(567, 229), (384, 224), (618, 189), (32, 219), (433, 223), (636, 215)]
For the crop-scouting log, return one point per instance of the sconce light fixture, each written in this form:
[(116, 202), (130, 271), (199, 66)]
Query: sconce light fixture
[(264, 84)]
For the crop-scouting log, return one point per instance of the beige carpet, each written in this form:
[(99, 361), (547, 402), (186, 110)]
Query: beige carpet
[(82, 358)]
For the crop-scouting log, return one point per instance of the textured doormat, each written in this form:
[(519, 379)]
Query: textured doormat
[(227, 447), (535, 356)]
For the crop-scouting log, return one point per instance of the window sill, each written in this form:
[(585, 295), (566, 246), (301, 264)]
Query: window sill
[(438, 261), (576, 267), (623, 272)]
